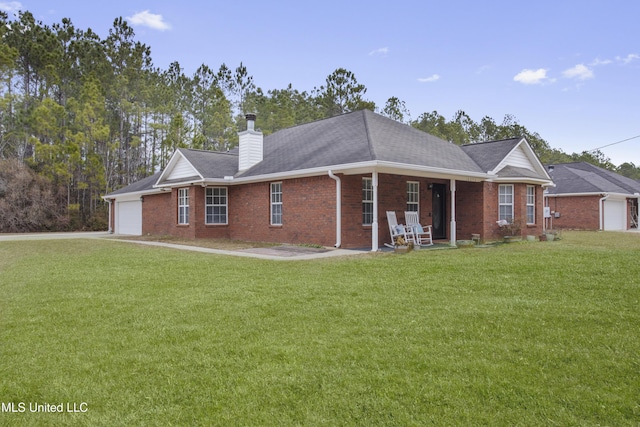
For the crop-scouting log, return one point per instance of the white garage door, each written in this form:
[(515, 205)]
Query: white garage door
[(129, 217), (615, 215)]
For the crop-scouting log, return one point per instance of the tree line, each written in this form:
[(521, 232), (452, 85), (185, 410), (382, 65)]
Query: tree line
[(81, 116)]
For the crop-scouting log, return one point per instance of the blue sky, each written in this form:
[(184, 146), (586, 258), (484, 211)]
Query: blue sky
[(569, 70)]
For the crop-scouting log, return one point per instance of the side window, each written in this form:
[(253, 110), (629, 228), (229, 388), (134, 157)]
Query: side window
[(367, 201), (276, 203), (183, 206), (531, 204), (505, 202), (413, 192), (215, 205)]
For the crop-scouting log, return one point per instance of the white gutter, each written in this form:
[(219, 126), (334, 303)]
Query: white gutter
[(601, 209), (338, 209), (348, 168)]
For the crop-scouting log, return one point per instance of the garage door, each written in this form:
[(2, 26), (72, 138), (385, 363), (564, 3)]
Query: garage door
[(614, 215), (129, 217)]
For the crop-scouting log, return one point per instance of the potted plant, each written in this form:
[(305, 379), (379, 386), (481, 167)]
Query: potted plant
[(401, 246), (553, 235), (510, 230)]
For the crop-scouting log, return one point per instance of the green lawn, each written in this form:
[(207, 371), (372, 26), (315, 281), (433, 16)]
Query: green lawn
[(524, 334)]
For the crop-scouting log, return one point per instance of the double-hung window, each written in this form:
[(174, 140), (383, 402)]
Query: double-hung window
[(531, 204), (215, 205), (183, 206), (367, 201), (276, 203), (413, 191), (505, 202)]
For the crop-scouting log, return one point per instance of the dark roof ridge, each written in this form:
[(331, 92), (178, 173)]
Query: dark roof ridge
[(317, 120), (372, 150), (208, 151), (494, 140)]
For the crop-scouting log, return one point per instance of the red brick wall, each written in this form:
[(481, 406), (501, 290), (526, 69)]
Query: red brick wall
[(576, 212), (157, 214), (471, 212), (309, 211), (477, 210), (308, 205)]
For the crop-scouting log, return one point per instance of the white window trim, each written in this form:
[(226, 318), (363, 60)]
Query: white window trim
[(213, 205), (415, 204), (276, 203), (183, 206), (500, 204), (531, 203), (365, 201)]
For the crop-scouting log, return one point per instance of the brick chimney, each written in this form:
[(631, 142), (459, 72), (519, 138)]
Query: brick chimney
[(250, 145)]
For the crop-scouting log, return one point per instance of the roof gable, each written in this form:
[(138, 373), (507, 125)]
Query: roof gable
[(179, 169), (507, 158), (187, 165)]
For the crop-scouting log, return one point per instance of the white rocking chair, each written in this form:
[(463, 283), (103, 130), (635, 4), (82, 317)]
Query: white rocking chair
[(398, 232), (422, 233)]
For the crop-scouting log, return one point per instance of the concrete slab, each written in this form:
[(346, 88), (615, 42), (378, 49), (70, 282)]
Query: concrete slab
[(279, 253)]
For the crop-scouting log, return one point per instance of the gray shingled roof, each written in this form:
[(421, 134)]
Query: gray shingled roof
[(212, 164), (143, 185), (489, 154), (360, 136), (571, 178), (356, 137)]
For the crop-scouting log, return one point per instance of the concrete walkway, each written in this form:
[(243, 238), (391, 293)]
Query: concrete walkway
[(278, 253)]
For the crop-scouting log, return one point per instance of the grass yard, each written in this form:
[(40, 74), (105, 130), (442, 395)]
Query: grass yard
[(523, 334)]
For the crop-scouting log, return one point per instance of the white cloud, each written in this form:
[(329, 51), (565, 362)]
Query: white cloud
[(430, 79), (483, 69), (599, 61), (629, 58), (532, 77), (381, 51), (580, 72), (10, 6), (147, 19)]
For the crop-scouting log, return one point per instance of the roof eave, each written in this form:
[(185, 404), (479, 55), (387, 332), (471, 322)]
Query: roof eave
[(360, 168), (595, 193), (132, 195), (524, 180)]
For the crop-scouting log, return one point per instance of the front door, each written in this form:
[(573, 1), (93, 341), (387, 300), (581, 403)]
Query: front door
[(439, 211)]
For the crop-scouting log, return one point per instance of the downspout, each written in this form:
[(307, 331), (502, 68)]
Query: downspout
[(110, 230), (374, 225), (601, 208), (338, 209)]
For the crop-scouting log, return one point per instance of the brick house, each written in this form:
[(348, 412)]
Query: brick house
[(330, 182), (586, 197)]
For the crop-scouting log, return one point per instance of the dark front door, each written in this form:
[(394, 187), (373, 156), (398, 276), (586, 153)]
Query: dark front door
[(439, 211)]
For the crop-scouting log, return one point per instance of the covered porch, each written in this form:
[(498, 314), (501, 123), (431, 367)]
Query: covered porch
[(453, 205)]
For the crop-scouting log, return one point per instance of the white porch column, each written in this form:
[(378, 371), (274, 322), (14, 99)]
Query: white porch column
[(453, 212), (374, 224)]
